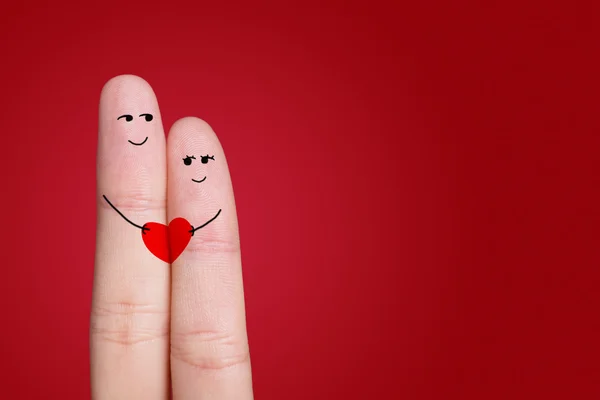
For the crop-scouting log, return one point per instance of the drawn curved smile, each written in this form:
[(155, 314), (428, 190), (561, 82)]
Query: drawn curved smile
[(200, 181), (138, 144)]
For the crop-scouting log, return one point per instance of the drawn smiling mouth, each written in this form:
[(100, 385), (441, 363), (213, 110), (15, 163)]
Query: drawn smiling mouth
[(200, 181), (138, 144)]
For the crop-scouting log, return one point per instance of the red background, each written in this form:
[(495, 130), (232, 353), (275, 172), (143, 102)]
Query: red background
[(416, 187)]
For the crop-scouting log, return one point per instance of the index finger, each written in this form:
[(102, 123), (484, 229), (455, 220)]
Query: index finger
[(209, 347)]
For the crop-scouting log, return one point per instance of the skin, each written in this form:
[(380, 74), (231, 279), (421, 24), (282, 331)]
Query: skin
[(155, 325)]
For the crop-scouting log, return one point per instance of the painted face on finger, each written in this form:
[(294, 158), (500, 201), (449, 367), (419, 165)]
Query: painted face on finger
[(128, 119), (189, 160), (199, 167)]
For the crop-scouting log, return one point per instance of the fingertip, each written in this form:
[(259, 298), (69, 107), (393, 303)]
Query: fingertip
[(198, 181), (131, 144), (128, 98), (120, 81), (127, 93), (191, 128)]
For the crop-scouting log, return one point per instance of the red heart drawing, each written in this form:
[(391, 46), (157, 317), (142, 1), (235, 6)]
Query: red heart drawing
[(167, 242)]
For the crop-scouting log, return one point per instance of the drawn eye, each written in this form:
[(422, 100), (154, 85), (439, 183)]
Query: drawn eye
[(127, 117), (148, 117), (188, 160), (204, 159)]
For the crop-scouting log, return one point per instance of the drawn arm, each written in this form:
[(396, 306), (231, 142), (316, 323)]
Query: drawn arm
[(204, 224), (143, 228)]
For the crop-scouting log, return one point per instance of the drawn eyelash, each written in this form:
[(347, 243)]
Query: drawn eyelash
[(188, 160), (204, 159)]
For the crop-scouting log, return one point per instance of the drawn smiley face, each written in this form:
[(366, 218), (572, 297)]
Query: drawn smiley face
[(203, 159), (129, 118)]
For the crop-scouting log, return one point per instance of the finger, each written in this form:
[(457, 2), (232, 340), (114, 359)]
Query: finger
[(209, 347), (130, 307)]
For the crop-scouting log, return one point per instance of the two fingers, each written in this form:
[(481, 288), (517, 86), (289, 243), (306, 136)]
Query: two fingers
[(154, 324)]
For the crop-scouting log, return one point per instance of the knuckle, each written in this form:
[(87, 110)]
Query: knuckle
[(212, 245), (209, 350), (127, 323), (135, 202)]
